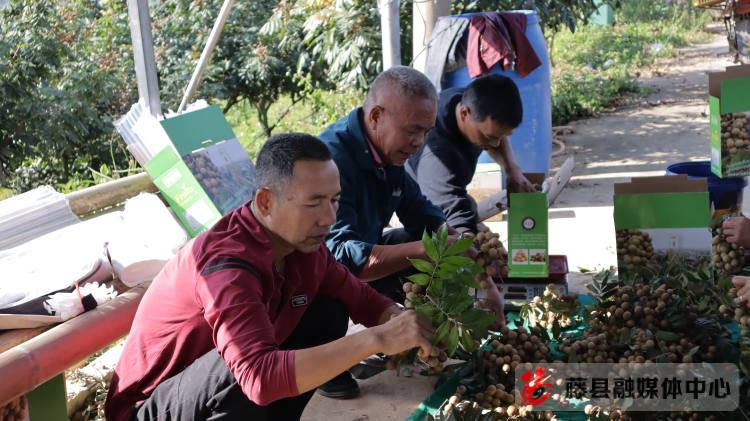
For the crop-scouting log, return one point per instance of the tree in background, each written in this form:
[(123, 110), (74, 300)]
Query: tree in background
[(247, 65), (345, 34), (66, 71)]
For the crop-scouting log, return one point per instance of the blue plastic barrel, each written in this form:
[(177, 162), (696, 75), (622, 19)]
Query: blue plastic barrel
[(532, 140), (724, 193)]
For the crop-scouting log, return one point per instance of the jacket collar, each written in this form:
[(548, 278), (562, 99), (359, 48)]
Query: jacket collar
[(360, 147)]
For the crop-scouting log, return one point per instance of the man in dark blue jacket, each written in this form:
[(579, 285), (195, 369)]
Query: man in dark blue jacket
[(470, 119), (370, 147)]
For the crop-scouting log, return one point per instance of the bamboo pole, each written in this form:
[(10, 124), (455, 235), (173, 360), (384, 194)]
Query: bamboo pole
[(109, 194)]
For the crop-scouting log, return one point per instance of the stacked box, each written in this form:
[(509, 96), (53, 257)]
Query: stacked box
[(207, 173), (729, 104), (660, 220)]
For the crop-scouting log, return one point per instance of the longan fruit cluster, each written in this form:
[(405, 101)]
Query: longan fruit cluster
[(205, 171), (734, 133), (493, 399), (726, 257), (492, 254), (634, 248)]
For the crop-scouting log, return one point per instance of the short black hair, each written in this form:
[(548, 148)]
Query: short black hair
[(275, 164), (496, 97)]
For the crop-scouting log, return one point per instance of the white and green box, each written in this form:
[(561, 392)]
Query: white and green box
[(661, 220), (729, 105), (207, 174), (528, 255)]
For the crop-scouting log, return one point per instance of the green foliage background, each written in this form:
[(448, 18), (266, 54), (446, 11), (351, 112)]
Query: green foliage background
[(66, 69)]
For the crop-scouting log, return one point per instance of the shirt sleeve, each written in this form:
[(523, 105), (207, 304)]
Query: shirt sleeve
[(344, 240), (439, 177), (230, 296), (364, 304), (415, 211)]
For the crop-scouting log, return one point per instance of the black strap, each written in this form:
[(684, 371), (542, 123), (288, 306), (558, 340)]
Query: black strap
[(229, 263), (89, 302)]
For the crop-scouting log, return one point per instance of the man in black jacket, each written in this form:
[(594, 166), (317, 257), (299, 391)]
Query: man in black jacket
[(478, 117)]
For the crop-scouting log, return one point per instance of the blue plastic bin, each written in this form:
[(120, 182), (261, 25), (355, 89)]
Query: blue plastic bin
[(532, 140), (724, 193)]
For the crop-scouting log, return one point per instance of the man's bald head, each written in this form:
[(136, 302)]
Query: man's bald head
[(399, 82), (399, 111)]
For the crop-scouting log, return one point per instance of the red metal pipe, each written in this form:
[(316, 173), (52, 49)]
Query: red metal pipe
[(30, 364)]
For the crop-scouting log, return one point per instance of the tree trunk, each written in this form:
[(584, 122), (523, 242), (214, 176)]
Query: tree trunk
[(263, 108), (231, 102), (551, 47)]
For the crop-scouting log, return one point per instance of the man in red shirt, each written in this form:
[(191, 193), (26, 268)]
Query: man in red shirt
[(224, 331)]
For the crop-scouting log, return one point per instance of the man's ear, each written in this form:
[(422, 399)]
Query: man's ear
[(373, 117), (463, 111), (264, 200)]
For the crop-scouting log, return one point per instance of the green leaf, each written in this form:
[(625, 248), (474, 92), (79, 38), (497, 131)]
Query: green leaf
[(460, 246), (420, 278), (452, 340), (460, 305), (441, 332), (442, 239), (422, 265), (430, 248), (436, 286), (428, 310), (478, 321), (467, 341), (459, 261)]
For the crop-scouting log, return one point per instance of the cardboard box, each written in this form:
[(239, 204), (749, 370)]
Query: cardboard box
[(660, 218), (207, 174), (729, 104), (527, 233)]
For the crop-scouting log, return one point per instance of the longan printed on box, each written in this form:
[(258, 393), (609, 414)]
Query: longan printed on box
[(729, 106), (661, 221), (207, 173)]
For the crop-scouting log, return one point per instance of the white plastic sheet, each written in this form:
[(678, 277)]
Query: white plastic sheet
[(151, 237), (32, 214)]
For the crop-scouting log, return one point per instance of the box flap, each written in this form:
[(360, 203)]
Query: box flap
[(667, 184), (739, 70), (197, 129), (715, 80), (639, 180)]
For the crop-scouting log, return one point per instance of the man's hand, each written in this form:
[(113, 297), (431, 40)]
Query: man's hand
[(518, 183), (742, 283), (454, 236), (737, 231), (403, 332), (494, 302)]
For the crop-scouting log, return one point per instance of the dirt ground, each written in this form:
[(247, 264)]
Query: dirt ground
[(639, 139)]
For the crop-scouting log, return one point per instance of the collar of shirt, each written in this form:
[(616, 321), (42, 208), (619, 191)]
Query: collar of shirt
[(446, 124), (375, 154)]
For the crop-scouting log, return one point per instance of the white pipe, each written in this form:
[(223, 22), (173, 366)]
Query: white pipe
[(390, 32), (213, 39), (425, 14)]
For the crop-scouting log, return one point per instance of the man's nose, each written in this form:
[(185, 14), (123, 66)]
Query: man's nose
[(329, 215)]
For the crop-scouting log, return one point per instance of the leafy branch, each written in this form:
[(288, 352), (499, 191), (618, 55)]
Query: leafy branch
[(447, 279)]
